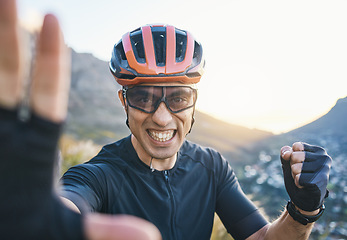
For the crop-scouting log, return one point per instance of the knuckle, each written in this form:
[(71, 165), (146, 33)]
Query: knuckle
[(298, 146), (284, 148)]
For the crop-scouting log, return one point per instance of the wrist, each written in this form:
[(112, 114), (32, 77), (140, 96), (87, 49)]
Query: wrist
[(307, 213), (302, 218)]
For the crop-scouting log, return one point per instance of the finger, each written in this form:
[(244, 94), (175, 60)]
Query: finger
[(8, 35), (286, 152), (296, 168), (296, 172), (297, 157), (298, 146), (8, 11), (119, 227), (9, 55), (51, 77)]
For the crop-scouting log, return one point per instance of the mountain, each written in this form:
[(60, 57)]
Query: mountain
[(95, 111), (333, 124), (329, 131), (226, 137)]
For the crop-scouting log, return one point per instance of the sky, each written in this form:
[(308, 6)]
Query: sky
[(273, 65)]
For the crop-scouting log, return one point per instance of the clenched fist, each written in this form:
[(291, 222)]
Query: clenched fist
[(306, 174)]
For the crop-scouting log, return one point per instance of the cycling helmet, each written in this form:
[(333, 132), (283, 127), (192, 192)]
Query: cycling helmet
[(157, 53)]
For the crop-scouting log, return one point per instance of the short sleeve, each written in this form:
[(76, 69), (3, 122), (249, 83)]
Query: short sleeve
[(238, 214), (82, 185)]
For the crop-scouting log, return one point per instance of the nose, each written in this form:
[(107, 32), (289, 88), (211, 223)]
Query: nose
[(162, 116)]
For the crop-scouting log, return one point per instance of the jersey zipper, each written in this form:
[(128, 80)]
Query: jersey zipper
[(173, 204)]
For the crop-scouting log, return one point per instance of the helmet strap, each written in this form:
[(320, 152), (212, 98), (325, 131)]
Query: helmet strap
[(191, 126), (127, 120), (126, 108), (127, 123), (193, 121)]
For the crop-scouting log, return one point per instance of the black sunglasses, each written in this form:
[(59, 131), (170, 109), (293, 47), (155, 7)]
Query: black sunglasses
[(148, 98)]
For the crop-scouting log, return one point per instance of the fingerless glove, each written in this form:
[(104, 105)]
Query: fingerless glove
[(29, 206), (314, 179)]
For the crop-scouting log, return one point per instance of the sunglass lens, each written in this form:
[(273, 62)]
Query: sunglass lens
[(143, 98), (148, 98), (180, 98)]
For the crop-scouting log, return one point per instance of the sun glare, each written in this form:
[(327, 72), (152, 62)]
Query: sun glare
[(31, 20)]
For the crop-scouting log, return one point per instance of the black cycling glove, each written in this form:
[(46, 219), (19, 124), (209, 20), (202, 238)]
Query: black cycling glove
[(314, 178), (29, 207)]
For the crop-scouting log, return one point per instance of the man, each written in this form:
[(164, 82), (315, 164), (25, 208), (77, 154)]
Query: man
[(154, 173), (157, 175)]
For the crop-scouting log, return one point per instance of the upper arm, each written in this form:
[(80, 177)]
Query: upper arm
[(238, 214), (83, 186)]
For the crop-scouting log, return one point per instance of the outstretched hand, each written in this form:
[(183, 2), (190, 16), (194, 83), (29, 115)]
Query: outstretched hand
[(306, 174), (50, 76), (29, 208)]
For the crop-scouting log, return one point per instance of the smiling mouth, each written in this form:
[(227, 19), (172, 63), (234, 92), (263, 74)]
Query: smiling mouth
[(161, 136)]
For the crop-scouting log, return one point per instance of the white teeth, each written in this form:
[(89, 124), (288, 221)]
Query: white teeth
[(161, 136)]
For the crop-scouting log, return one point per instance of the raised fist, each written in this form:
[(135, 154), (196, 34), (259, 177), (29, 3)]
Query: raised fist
[(306, 174)]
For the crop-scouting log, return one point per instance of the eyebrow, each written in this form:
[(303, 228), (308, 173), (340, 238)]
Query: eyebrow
[(179, 91), (141, 91)]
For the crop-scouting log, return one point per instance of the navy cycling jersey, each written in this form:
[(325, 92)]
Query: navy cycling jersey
[(181, 201)]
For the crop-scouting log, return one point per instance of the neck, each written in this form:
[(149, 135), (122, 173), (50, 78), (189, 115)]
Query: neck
[(159, 164)]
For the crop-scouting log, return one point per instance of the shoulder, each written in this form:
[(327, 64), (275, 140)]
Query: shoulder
[(206, 156), (190, 148), (115, 150), (109, 159), (211, 160)]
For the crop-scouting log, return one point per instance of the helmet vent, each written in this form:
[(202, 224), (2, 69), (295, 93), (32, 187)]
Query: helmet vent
[(159, 39), (120, 51), (197, 52), (181, 45), (137, 45)]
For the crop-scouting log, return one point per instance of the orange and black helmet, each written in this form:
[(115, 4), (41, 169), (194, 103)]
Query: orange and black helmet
[(157, 53)]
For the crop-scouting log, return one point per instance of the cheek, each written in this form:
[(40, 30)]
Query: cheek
[(186, 118), (135, 118)]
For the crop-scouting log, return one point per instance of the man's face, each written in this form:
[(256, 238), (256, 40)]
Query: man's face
[(159, 134)]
